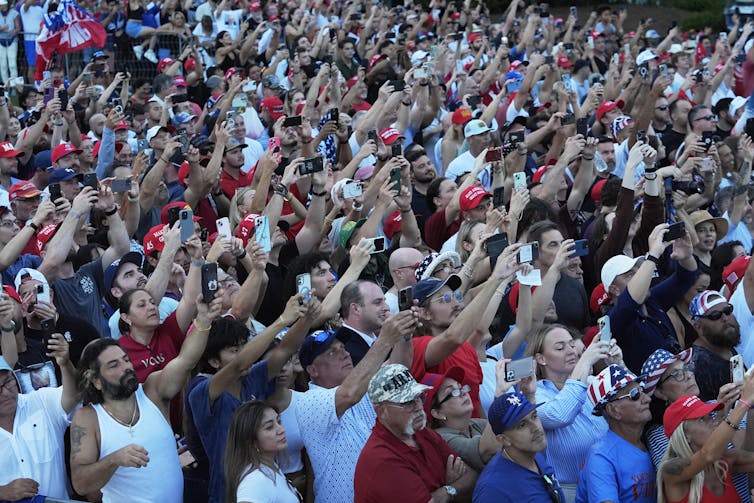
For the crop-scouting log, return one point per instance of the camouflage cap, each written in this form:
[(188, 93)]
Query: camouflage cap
[(394, 383)]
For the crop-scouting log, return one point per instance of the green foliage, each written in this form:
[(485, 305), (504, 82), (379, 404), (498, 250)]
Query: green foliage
[(713, 19)]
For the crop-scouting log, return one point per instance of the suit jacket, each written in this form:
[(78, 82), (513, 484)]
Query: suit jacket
[(354, 343)]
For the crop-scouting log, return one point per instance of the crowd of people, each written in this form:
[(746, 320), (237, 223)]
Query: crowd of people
[(353, 251)]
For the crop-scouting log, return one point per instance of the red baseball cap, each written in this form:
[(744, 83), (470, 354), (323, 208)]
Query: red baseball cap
[(393, 224), (12, 293), (23, 189), (686, 407), (63, 150), (118, 127), (474, 35), (179, 81), (598, 298), (597, 191), (44, 235), (7, 150), (190, 64), (734, 272), (390, 135), (273, 105), (183, 172), (606, 106), (154, 241), (181, 205), (164, 63), (471, 197), (564, 62), (245, 227), (461, 116)]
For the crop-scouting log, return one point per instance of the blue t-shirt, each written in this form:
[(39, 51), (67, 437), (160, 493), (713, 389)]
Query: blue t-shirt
[(617, 471), (24, 261), (504, 481), (213, 422)]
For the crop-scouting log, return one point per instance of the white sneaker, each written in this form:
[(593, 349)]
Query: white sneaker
[(139, 51), (151, 56)]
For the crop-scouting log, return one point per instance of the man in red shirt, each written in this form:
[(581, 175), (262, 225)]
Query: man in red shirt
[(403, 460), (232, 177)]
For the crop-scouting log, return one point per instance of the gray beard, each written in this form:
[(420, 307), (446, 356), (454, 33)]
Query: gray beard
[(410, 430)]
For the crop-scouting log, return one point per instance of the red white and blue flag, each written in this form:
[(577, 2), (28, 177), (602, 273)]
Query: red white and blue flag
[(69, 29)]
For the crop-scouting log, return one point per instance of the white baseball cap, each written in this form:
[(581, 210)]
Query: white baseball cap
[(620, 264)]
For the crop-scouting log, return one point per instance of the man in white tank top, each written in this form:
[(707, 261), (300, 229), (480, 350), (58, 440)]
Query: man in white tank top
[(121, 441)]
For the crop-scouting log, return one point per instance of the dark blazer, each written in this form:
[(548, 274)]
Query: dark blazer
[(354, 343)]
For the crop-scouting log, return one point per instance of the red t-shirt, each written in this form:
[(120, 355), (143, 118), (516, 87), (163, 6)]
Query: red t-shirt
[(436, 232), (164, 346), (390, 470), (228, 184), (465, 357)]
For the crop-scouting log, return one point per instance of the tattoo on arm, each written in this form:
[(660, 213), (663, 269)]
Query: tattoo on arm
[(675, 466), (77, 433)]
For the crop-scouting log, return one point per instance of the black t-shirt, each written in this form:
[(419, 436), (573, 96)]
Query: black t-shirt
[(275, 298), (711, 372), (672, 139)]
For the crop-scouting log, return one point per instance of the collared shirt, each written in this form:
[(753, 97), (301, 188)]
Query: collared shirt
[(35, 448), (369, 339), (333, 443)]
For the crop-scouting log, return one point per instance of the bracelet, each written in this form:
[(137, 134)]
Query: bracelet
[(198, 329), (74, 213), (242, 255), (318, 194), (406, 104), (587, 158), (744, 402), (197, 262), (654, 259), (133, 199), (306, 142), (112, 212), (34, 226), (735, 427)]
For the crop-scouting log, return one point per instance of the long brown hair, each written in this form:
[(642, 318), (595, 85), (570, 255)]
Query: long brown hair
[(241, 451)]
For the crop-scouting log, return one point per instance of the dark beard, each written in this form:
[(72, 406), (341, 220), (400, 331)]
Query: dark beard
[(125, 388), (726, 338)]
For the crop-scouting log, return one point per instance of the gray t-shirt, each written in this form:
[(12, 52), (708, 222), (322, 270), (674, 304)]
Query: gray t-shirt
[(81, 296)]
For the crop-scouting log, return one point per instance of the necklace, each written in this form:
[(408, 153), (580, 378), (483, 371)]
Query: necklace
[(129, 425)]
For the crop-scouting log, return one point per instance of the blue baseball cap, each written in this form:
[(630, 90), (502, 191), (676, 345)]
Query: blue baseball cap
[(42, 160), (314, 345), (62, 174), (508, 410), (427, 287), (112, 270), (182, 118)]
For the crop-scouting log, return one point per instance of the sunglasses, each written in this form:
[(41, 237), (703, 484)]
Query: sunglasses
[(552, 487), (716, 315), (455, 393), (679, 374), (634, 395), (662, 107), (448, 297), (706, 118)]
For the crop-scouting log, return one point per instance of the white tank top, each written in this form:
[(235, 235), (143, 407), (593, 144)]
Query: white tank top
[(162, 479)]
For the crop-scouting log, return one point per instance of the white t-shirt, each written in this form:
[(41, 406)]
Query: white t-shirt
[(392, 302), (742, 313), (290, 460), (265, 487), (333, 444), (31, 20), (463, 164)]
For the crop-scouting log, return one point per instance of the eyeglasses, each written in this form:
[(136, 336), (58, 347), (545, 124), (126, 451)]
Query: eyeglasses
[(412, 266), (662, 107), (634, 395), (679, 374), (706, 118), (716, 315), (8, 223), (455, 393), (448, 268), (448, 298), (410, 405), (551, 483)]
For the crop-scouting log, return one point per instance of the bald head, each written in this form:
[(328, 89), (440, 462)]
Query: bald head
[(402, 266)]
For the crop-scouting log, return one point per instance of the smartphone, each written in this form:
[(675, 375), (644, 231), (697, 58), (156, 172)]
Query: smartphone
[(421, 73), (395, 179), (606, 334), (580, 248), (516, 137), (493, 155), (396, 149), (573, 11), (209, 282), (675, 231), (86, 78), (568, 118), (379, 244), (512, 87), (498, 197), (262, 232), (372, 135), (183, 138), (223, 228), (519, 181), (641, 135), (737, 368), (405, 298), (63, 95), (90, 179), (749, 128), (311, 165), (55, 192), (304, 286), (528, 253), (43, 293), (48, 328), (293, 121), (334, 115), (723, 36), (518, 369), (495, 245), (398, 85), (173, 216), (46, 75), (590, 42), (49, 94), (582, 126), (186, 459), (180, 98), (186, 218), (352, 189), (120, 185), (663, 70), (708, 139)]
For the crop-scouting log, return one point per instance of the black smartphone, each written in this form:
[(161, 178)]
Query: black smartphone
[(457, 36), (398, 85), (495, 246), (580, 248), (749, 128), (293, 121), (582, 126), (48, 328), (63, 95), (204, 234), (173, 215), (372, 135), (708, 139), (641, 135), (397, 149), (90, 180), (498, 197), (209, 282), (568, 118), (516, 137), (334, 115), (55, 192), (405, 298), (180, 98), (120, 185), (675, 231), (474, 101), (333, 33), (311, 165), (395, 179)]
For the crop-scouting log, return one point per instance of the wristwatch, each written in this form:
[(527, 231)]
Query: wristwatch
[(451, 491), (10, 328)]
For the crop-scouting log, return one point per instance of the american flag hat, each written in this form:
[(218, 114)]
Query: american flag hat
[(607, 384), (705, 301), (657, 363)]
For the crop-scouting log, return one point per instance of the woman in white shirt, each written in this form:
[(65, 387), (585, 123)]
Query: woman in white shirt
[(255, 437)]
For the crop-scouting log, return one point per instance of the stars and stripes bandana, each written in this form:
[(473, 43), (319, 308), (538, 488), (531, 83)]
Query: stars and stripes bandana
[(607, 384), (657, 364)]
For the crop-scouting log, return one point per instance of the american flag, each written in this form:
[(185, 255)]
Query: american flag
[(607, 383), (657, 363)]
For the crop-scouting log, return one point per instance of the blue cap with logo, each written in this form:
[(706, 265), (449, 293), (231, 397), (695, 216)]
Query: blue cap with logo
[(507, 410), (62, 174)]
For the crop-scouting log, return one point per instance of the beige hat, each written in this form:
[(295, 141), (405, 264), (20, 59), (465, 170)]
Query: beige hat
[(701, 216)]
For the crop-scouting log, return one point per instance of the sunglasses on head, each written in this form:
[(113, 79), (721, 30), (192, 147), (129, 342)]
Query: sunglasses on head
[(716, 315)]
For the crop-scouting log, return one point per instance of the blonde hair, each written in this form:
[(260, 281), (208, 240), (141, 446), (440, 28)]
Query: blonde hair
[(537, 342), (464, 234), (234, 214), (678, 447)]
